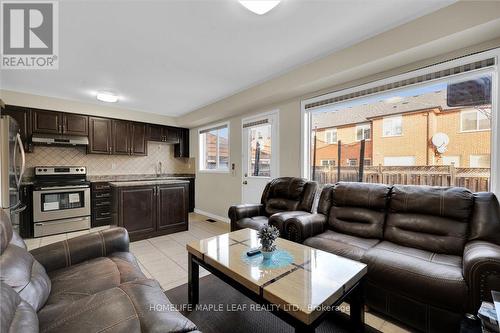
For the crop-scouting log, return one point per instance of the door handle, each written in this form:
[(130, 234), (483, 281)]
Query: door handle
[(245, 182)]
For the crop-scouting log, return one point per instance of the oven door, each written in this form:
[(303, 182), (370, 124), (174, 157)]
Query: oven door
[(55, 203)]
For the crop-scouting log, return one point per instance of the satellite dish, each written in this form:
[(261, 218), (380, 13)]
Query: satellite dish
[(441, 150), (440, 140)]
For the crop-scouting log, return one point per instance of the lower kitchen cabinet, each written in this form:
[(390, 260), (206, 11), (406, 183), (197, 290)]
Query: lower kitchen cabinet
[(101, 204), (151, 210)]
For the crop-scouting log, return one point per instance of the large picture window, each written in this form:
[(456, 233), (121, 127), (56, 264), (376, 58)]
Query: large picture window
[(433, 129), (214, 148)]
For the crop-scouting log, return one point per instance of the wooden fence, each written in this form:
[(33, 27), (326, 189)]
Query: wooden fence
[(475, 179)]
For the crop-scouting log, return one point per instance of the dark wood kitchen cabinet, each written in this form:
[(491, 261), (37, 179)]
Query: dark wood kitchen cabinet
[(136, 210), (138, 140), (106, 135), (100, 141), (151, 210), (75, 124), (46, 122), (129, 138), (170, 215), (101, 204), (50, 122), (121, 134), (182, 148), (163, 134), (22, 116)]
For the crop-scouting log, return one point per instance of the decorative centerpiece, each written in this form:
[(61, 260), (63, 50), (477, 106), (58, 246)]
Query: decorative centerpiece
[(267, 236)]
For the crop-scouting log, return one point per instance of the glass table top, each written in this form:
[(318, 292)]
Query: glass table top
[(310, 282)]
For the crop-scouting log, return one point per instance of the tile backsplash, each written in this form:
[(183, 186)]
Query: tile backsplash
[(111, 164)]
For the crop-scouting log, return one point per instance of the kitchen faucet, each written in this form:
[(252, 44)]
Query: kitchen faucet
[(158, 169)]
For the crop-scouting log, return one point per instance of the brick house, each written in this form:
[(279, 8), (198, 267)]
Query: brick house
[(399, 133)]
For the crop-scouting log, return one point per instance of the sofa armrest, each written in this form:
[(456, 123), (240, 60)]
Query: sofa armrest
[(299, 228), (237, 212), (78, 249), (481, 270)]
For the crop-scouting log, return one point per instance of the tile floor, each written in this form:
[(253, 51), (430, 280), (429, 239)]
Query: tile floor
[(164, 258)]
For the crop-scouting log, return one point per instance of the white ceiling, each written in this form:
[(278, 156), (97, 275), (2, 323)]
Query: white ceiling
[(173, 57)]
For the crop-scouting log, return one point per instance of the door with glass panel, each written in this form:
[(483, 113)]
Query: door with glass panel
[(260, 154)]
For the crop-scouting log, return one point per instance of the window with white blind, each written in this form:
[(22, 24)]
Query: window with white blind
[(214, 148), (331, 136), (363, 132), (392, 126)]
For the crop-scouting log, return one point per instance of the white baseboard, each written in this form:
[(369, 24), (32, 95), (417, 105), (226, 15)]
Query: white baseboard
[(217, 217)]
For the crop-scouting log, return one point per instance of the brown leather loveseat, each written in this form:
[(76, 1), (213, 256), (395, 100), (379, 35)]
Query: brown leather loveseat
[(89, 283), (433, 253), (283, 198)]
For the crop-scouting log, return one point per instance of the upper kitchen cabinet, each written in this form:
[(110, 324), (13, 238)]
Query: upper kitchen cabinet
[(182, 148), (129, 138), (75, 124), (155, 133), (100, 136), (53, 122), (163, 134), (121, 135), (138, 142), (22, 115), (47, 122)]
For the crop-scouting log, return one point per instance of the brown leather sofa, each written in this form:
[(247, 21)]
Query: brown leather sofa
[(282, 199), (85, 284), (433, 253)]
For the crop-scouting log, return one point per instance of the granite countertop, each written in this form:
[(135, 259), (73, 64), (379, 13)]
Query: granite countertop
[(148, 182), (138, 177)]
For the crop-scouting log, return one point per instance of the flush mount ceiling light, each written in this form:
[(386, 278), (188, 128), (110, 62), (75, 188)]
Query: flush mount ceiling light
[(106, 96), (259, 7)]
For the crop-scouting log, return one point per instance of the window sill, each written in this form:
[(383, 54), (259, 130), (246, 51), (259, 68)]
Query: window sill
[(474, 131), (214, 171)]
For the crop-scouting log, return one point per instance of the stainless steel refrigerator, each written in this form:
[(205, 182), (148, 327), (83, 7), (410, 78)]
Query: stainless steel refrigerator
[(12, 164)]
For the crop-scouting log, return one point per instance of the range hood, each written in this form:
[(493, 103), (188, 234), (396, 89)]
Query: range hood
[(59, 140)]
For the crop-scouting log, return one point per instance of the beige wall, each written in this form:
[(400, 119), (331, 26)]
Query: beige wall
[(462, 144), (410, 47), (412, 141), (58, 104)]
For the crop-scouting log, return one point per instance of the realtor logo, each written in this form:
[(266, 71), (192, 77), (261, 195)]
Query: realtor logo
[(29, 35)]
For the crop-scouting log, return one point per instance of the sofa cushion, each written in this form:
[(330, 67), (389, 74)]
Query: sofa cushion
[(92, 276), (341, 244), (288, 193), (19, 269), (278, 219), (16, 315), (428, 277), (276, 205), (359, 209), (435, 219), (255, 222), (139, 306)]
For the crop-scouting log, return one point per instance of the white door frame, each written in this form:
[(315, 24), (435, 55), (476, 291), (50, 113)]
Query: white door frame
[(274, 114)]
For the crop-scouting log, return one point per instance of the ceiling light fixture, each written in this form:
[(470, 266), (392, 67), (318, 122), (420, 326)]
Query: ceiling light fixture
[(106, 96), (259, 7)]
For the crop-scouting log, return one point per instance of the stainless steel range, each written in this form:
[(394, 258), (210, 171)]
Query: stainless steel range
[(61, 200)]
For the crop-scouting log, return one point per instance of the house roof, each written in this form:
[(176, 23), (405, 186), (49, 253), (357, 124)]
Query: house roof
[(346, 114)]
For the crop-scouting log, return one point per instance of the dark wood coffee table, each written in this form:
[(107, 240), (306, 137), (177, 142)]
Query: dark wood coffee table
[(301, 293)]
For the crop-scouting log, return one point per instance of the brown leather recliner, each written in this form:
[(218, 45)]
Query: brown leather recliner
[(88, 284), (283, 198), (433, 253)]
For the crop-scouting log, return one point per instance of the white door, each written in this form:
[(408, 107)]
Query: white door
[(260, 154)]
